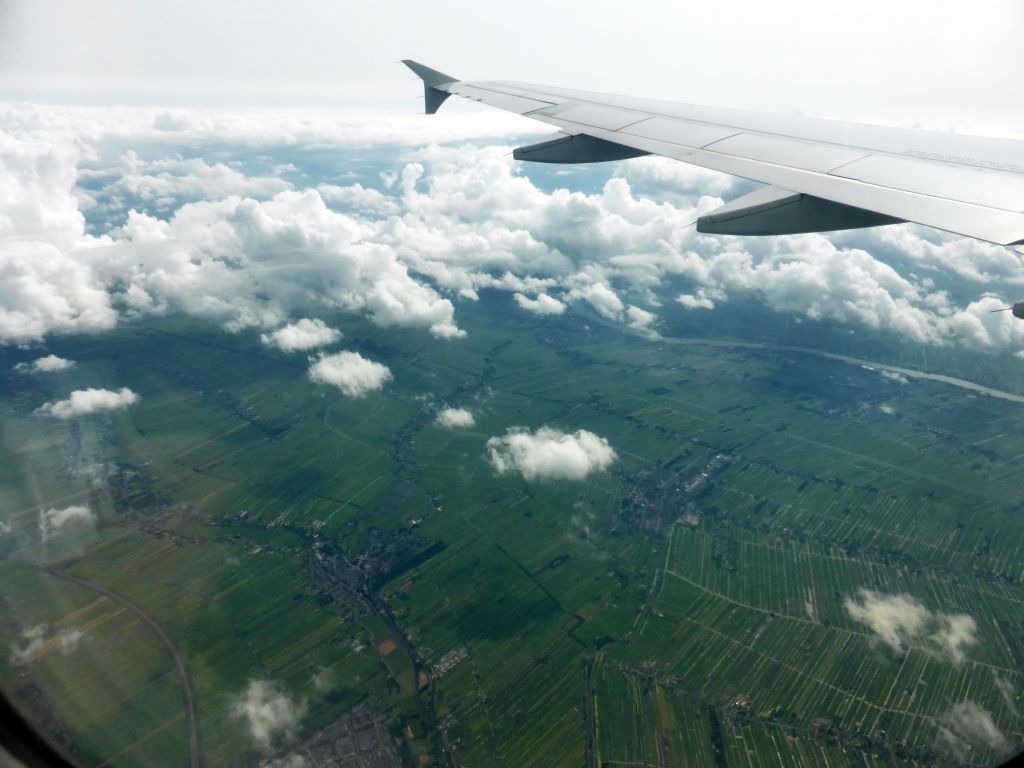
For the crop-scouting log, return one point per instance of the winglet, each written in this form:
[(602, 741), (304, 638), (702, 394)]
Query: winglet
[(433, 96)]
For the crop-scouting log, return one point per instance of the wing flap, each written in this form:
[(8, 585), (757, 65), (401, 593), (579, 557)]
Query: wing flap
[(995, 189), (683, 132), (793, 153)]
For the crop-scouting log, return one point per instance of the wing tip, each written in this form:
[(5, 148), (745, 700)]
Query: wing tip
[(430, 77)]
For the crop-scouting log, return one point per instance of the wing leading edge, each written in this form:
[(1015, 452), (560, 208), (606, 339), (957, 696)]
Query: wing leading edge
[(824, 175)]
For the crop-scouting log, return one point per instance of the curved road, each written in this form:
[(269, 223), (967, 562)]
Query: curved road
[(910, 373), (195, 751)]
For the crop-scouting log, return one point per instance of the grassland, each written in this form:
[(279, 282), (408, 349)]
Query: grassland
[(353, 551)]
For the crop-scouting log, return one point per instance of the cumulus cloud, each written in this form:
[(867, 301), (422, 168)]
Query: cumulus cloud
[(302, 335), (699, 300), (902, 622), (40, 638), (251, 252), (77, 518), (250, 263), (602, 298), (969, 725), (47, 364), (32, 639), (350, 372), (269, 712), (168, 182), (455, 418), (542, 305), (45, 289), (896, 376), (84, 402), (549, 453)]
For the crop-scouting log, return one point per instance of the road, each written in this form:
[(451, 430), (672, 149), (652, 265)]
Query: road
[(195, 750), (910, 373)]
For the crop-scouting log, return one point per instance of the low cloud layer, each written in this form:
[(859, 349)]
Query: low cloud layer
[(969, 725), (350, 372), (302, 335), (84, 402), (455, 418), (76, 519), (47, 364), (902, 622), (548, 454), (251, 250), (268, 712)]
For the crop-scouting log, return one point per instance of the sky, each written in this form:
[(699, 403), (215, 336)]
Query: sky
[(933, 63)]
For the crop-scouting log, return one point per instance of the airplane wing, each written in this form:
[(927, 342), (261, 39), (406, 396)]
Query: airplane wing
[(822, 175)]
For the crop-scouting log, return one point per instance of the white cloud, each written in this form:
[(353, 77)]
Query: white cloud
[(902, 622), (452, 221), (350, 372), (699, 300), (171, 181), (251, 263), (45, 289), (269, 713), (550, 454), (602, 298), (542, 305), (896, 376), (83, 402), (968, 725), (455, 418), (640, 319), (47, 364), (68, 639), (359, 198), (76, 519), (302, 335), (32, 639)]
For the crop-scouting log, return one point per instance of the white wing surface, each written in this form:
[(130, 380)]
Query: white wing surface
[(824, 174)]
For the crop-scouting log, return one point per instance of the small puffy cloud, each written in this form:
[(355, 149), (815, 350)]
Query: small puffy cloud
[(302, 335), (542, 305), (698, 300), (48, 364), (350, 372), (77, 517), (640, 319), (32, 639), (902, 622), (84, 402), (455, 418), (602, 298), (969, 725), (269, 712), (39, 639), (550, 454), (896, 376), (68, 639)]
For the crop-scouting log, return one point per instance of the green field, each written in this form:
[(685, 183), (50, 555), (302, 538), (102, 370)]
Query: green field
[(350, 550)]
